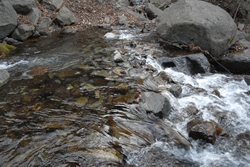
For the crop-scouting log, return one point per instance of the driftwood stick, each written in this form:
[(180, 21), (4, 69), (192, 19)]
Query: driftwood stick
[(235, 14)]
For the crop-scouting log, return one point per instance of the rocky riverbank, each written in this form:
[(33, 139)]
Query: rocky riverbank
[(211, 31)]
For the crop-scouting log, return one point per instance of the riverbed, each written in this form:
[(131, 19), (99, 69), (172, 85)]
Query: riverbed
[(69, 102)]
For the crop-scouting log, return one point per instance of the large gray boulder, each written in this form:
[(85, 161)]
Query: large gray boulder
[(52, 4), (23, 32), (23, 6), (8, 18), (65, 17), (198, 22)]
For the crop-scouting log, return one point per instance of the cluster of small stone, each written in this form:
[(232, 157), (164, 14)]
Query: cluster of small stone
[(12, 10)]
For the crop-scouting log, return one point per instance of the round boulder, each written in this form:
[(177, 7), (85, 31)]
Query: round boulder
[(198, 22)]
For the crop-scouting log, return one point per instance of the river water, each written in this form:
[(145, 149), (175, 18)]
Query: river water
[(68, 104)]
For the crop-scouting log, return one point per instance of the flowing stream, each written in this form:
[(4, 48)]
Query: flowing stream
[(68, 104)]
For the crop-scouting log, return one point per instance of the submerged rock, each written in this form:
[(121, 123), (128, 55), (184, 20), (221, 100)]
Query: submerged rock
[(160, 126), (198, 22), (157, 156), (191, 110), (244, 136)]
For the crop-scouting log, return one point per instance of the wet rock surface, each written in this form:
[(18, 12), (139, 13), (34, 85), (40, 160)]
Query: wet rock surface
[(188, 64), (157, 157), (84, 99), (69, 97), (199, 129)]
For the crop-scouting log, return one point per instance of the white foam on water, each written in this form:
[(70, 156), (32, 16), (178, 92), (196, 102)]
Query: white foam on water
[(126, 36), (210, 156), (121, 34), (6, 65), (199, 90)]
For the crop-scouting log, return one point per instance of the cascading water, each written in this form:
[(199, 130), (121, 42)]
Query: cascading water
[(234, 106)]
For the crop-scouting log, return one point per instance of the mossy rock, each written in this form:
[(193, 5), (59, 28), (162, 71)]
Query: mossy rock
[(5, 49)]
